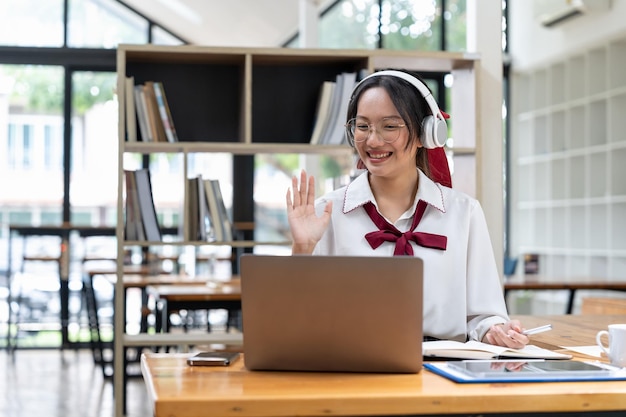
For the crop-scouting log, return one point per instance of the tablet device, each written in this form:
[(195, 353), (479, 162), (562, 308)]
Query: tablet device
[(525, 371), (522, 368)]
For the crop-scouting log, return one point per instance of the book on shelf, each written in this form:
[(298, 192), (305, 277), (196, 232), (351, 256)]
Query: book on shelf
[(191, 210), (221, 224), (199, 224), (133, 227), (205, 224), (333, 110), (142, 118), (479, 350), (322, 111), (146, 205), (131, 115), (334, 132), (154, 118), (337, 135), (147, 106), (164, 112)]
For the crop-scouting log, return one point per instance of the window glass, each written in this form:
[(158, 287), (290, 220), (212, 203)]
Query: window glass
[(93, 196), (31, 23), (31, 146), (456, 25), (404, 25), (103, 24), (163, 37), (31, 137), (350, 24), (411, 25)]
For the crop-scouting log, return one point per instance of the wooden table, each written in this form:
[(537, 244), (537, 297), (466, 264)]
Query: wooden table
[(542, 284), (568, 330), (215, 294), (179, 390), (141, 277)]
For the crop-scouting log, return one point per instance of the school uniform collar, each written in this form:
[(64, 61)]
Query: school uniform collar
[(358, 192)]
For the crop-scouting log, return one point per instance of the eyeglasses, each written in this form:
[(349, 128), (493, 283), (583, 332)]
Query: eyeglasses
[(388, 129)]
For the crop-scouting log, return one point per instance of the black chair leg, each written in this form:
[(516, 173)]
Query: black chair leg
[(95, 340)]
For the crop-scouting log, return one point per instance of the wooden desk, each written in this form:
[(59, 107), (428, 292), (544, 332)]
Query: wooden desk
[(568, 330), (541, 284), (180, 390), (141, 277), (214, 295)]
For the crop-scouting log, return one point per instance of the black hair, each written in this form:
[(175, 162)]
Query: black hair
[(409, 102)]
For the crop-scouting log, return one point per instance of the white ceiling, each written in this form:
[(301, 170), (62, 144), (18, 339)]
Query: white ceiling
[(255, 23)]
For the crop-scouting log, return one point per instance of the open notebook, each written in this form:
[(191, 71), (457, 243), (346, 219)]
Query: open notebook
[(478, 350)]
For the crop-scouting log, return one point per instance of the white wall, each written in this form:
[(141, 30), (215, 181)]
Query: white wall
[(533, 45)]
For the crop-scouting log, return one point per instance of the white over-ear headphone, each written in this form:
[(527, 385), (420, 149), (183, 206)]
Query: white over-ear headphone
[(434, 128)]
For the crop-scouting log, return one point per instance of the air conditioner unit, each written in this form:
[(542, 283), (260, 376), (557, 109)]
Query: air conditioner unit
[(553, 12)]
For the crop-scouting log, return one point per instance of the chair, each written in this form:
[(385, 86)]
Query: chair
[(32, 289)]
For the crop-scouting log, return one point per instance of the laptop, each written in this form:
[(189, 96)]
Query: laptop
[(332, 313)]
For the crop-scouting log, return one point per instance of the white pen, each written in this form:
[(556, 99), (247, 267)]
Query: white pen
[(539, 329)]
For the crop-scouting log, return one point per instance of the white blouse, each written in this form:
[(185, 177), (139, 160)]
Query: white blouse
[(463, 296)]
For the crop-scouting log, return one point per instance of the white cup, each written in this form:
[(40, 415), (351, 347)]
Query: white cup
[(616, 350)]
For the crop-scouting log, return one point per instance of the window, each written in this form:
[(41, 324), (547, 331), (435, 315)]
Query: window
[(32, 23), (58, 114), (393, 24), (31, 123), (103, 24), (53, 146), (350, 24), (93, 196)]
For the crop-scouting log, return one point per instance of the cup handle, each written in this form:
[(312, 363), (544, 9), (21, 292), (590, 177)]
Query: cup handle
[(599, 341)]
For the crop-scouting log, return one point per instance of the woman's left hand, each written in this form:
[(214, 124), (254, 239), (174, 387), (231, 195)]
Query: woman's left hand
[(508, 334)]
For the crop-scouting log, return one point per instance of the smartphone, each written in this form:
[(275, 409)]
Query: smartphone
[(213, 358)]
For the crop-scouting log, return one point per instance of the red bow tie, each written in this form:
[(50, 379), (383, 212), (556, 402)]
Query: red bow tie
[(389, 233)]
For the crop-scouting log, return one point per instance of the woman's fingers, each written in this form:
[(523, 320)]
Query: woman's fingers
[(303, 187), (288, 201), (303, 191), (311, 190), (296, 193)]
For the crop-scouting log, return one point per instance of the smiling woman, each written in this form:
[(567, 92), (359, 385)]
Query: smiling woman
[(395, 207)]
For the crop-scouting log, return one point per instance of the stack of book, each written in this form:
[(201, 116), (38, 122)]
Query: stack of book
[(332, 107), (207, 217), (147, 107), (141, 221)]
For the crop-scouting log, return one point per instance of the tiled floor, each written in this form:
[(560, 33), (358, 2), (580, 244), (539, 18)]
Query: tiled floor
[(51, 383)]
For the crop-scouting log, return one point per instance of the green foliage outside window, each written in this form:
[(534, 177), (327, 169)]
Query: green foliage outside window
[(91, 88), (39, 89)]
